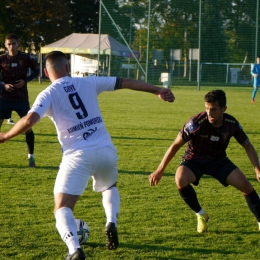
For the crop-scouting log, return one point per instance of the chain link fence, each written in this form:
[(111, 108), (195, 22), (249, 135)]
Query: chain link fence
[(192, 42)]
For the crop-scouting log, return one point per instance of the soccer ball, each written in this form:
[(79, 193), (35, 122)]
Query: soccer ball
[(82, 231)]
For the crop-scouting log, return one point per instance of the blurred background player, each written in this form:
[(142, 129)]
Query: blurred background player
[(9, 121), (14, 67), (255, 71)]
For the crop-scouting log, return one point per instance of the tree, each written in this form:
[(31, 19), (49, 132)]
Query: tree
[(85, 15), (228, 27), (240, 30), (6, 24), (38, 22), (173, 25), (213, 41), (121, 20)]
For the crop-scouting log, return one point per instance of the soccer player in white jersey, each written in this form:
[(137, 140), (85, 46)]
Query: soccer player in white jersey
[(72, 105)]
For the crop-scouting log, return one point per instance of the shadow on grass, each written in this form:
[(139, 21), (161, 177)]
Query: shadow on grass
[(142, 138), (56, 167), (15, 166), (142, 173), (189, 250), (232, 232), (38, 141), (42, 134)]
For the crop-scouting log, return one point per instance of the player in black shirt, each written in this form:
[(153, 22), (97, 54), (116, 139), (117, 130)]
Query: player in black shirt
[(207, 135), (14, 67)]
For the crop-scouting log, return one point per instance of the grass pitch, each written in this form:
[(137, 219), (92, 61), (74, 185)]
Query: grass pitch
[(154, 223)]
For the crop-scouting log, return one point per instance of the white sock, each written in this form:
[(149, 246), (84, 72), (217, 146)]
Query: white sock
[(30, 156), (66, 226), (111, 203), (201, 212)]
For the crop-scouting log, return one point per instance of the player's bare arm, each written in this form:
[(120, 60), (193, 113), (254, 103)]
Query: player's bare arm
[(163, 93), (156, 176), (252, 155), (23, 125)]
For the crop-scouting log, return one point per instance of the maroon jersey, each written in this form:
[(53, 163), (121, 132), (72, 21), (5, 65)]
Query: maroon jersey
[(14, 68), (206, 142)]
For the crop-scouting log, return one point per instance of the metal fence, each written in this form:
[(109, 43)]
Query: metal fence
[(183, 42)]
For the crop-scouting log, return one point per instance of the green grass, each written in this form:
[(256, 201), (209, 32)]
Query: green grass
[(154, 223)]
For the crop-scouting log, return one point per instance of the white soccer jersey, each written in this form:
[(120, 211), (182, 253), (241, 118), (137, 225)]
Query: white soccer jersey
[(72, 104)]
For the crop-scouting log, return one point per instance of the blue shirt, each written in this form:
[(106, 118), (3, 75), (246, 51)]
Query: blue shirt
[(256, 70)]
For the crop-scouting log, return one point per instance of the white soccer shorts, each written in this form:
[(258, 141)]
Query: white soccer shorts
[(76, 169)]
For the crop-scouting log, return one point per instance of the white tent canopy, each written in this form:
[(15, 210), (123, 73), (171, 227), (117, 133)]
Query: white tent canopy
[(88, 43)]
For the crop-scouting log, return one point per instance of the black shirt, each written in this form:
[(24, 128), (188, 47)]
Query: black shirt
[(206, 142)]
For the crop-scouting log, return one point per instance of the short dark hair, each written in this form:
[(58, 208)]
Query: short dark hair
[(54, 55), (216, 96), (11, 36)]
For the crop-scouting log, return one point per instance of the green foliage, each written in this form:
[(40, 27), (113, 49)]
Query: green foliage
[(84, 17), (6, 23), (228, 27), (240, 29), (38, 22), (154, 223), (120, 19), (213, 41)]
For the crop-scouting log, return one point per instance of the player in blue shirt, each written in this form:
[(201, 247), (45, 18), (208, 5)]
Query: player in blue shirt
[(207, 135), (255, 71)]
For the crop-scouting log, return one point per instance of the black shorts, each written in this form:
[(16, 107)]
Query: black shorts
[(7, 106), (218, 169)]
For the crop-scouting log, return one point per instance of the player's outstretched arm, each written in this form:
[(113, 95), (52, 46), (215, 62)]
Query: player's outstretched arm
[(156, 176), (23, 125), (252, 155), (163, 93)]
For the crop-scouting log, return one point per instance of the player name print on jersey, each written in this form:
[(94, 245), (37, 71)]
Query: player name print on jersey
[(70, 88), (85, 124), (75, 128)]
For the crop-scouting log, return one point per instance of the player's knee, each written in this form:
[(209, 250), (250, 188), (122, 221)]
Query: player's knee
[(182, 179), (29, 131), (247, 188), (114, 185)]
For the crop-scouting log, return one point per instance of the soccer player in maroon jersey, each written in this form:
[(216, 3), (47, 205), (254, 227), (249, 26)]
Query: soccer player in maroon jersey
[(13, 88), (207, 135)]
